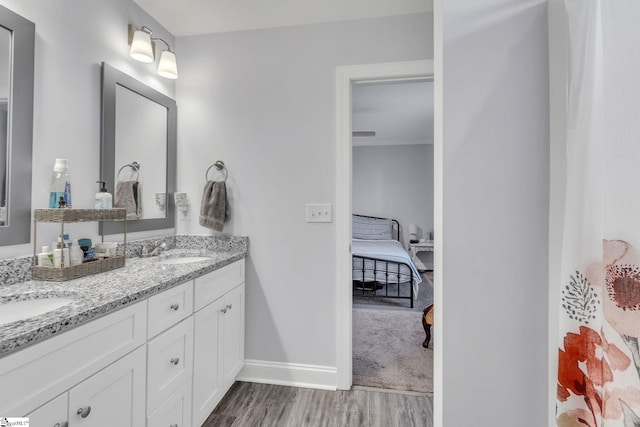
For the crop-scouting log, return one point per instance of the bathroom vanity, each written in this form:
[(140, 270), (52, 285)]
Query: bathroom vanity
[(157, 342)]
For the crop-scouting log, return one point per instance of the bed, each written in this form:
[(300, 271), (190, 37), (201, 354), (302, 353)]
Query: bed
[(381, 267)]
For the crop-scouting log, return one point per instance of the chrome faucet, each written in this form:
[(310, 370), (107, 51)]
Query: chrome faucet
[(157, 247)]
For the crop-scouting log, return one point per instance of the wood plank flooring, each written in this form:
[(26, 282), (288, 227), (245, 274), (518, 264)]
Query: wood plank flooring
[(251, 404)]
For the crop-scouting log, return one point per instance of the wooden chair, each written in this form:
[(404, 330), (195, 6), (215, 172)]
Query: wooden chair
[(427, 322)]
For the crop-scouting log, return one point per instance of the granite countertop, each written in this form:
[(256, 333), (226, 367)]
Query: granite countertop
[(100, 294)]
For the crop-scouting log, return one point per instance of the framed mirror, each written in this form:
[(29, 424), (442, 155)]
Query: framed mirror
[(17, 36), (138, 158)]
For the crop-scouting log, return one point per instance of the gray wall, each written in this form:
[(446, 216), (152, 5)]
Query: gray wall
[(495, 176), (395, 181), (264, 103)]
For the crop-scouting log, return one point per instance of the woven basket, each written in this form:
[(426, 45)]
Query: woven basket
[(73, 272)]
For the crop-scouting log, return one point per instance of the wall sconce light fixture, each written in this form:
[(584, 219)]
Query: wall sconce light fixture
[(143, 50)]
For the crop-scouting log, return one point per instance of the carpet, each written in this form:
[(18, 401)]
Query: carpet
[(388, 352)]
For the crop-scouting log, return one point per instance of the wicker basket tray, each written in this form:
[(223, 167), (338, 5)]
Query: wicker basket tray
[(79, 215), (73, 272)]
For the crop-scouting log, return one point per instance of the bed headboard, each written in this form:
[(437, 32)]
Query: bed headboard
[(374, 228)]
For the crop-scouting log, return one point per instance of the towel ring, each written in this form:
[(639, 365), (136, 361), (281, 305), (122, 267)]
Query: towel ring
[(133, 165), (219, 165)]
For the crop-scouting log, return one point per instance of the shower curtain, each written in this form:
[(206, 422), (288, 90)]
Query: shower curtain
[(599, 354)]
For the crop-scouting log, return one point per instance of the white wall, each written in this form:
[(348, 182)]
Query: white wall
[(73, 37), (395, 181), (494, 141), (264, 103)]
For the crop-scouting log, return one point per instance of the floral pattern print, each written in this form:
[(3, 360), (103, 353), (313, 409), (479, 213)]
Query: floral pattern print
[(599, 358)]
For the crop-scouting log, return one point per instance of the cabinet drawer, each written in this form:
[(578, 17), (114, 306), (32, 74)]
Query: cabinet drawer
[(169, 362), (212, 286), (175, 411), (169, 307), (43, 371), (52, 414)]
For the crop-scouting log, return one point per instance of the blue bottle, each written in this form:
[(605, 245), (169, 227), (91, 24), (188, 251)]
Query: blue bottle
[(60, 193)]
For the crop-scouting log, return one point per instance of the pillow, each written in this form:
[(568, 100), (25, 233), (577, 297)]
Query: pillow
[(371, 228)]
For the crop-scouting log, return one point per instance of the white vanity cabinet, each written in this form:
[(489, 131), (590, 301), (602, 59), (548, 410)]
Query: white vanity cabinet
[(38, 374), (218, 338), (113, 396), (165, 361)]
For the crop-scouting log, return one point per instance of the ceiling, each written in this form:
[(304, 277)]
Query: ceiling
[(400, 113), (191, 17)]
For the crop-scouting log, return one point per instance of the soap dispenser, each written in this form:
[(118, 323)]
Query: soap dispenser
[(104, 200)]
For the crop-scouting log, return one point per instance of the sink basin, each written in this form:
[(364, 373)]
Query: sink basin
[(184, 260), (23, 309)]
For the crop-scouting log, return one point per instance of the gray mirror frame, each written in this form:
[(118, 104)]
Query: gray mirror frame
[(23, 32), (112, 77)]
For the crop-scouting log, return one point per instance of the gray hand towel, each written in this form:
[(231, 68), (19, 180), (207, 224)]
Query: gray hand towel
[(127, 196), (214, 209)]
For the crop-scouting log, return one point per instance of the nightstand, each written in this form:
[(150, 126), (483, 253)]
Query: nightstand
[(415, 248)]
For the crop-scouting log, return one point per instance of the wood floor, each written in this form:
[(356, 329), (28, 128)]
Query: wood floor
[(251, 404)]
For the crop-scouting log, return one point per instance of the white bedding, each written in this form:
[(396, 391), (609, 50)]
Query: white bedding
[(387, 250)]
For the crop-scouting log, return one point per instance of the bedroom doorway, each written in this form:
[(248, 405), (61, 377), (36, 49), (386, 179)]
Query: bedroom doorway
[(346, 77), (392, 180)]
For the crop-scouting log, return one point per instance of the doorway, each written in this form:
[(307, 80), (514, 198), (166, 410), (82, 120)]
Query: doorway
[(346, 77)]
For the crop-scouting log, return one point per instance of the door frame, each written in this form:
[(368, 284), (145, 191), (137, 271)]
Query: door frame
[(346, 76)]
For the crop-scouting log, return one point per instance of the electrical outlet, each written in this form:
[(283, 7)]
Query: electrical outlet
[(319, 213)]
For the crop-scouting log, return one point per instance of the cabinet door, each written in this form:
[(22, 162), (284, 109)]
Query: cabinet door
[(206, 360), (169, 362), (175, 411), (52, 414), (113, 396), (233, 342)]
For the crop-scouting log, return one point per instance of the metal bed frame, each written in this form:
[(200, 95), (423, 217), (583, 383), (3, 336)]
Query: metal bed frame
[(390, 269)]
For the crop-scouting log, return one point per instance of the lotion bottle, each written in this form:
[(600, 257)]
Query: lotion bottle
[(45, 258), (61, 255), (75, 254), (104, 200)]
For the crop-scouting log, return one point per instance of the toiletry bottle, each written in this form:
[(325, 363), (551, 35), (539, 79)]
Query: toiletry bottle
[(61, 255), (75, 254), (103, 198), (45, 258), (60, 193)]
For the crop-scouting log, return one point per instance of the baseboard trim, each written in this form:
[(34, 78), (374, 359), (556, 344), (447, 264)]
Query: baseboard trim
[(289, 374)]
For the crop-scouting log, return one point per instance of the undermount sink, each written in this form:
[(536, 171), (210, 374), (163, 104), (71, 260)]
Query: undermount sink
[(23, 309), (184, 260)]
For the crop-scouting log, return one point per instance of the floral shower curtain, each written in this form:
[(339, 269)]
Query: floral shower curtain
[(599, 352)]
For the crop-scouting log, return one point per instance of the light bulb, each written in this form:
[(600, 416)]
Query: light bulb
[(141, 49), (167, 66)]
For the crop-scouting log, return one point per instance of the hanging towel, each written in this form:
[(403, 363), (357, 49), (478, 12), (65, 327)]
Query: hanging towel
[(127, 196), (214, 209)]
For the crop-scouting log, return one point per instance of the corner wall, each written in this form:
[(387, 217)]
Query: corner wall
[(493, 144)]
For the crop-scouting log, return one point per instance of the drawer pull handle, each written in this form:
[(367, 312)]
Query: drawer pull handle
[(84, 412), (175, 360), (175, 306), (64, 424), (229, 306), (224, 310), (173, 425)]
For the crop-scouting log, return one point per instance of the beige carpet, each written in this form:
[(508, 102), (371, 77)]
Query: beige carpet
[(388, 352)]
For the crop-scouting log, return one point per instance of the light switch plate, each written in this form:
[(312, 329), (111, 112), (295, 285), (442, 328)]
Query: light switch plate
[(320, 212)]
